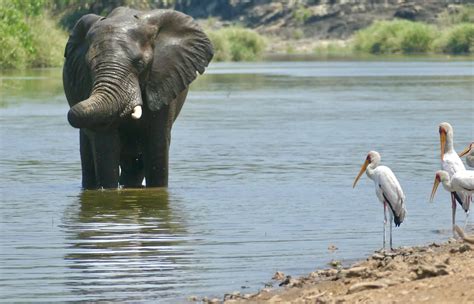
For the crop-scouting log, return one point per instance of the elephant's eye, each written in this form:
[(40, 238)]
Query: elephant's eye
[(139, 63)]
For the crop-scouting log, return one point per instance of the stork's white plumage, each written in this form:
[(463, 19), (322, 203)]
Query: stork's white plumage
[(460, 182), (470, 155), (452, 164), (450, 161), (387, 188)]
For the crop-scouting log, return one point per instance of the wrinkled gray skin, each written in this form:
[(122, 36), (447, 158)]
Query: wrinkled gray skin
[(115, 63)]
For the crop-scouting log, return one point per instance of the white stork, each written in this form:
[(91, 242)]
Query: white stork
[(387, 189), (452, 163), (460, 182)]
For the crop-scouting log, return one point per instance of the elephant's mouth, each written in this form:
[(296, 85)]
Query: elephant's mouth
[(133, 104)]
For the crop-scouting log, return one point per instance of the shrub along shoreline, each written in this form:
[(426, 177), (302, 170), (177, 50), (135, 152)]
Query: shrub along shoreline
[(30, 38), (407, 37), (396, 37)]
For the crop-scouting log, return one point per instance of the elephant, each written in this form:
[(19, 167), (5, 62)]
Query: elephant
[(126, 77)]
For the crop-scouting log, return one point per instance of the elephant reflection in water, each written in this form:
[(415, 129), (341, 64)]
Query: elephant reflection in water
[(123, 236)]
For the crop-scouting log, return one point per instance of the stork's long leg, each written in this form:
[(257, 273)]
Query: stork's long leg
[(391, 222), (469, 199), (384, 221), (453, 205), (467, 220)]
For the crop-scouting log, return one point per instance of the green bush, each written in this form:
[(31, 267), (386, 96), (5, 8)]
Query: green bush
[(12, 52), (28, 36), (457, 40), (48, 41), (417, 38), (392, 37), (237, 44)]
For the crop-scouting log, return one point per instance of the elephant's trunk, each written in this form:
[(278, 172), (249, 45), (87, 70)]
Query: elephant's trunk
[(114, 95), (93, 111)]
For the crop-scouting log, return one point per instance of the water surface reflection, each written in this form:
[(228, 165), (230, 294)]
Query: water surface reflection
[(124, 243)]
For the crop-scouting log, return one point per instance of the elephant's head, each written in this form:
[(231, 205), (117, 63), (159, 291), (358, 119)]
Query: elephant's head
[(111, 61)]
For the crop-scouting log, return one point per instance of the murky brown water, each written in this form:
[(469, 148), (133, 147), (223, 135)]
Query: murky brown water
[(262, 163)]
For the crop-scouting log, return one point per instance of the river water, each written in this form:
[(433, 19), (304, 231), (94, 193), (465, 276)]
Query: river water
[(262, 162)]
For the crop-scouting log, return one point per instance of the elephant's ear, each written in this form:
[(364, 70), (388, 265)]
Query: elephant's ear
[(181, 50), (79, 32), (76, 74)]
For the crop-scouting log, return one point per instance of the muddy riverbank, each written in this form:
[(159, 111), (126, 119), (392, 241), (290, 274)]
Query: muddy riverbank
[(435, 273)]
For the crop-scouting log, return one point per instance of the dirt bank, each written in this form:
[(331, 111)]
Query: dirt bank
[(437, 273)]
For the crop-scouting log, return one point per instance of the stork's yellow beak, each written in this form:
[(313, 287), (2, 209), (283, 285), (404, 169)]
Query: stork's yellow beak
[(465, 151), (362, 170), (435, 187), (442, 140)]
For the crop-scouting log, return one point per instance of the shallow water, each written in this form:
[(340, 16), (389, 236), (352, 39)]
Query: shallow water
[(262, 164)]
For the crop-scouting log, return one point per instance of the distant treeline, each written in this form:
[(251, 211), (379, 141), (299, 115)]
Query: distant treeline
[(33, 32)]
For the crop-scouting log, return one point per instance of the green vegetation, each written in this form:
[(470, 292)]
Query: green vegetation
[(395, 37), (48, 41), (457, 40), (28, 35), (406, 37), (237, 44)]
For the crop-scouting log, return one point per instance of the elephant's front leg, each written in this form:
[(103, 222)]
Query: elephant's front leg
[(106, 153), (87, 161), (156, 147)]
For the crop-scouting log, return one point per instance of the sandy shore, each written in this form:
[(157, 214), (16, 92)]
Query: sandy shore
[(436, 273)]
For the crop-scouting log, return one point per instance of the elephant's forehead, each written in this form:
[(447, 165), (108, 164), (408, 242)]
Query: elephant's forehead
[(108, 28)]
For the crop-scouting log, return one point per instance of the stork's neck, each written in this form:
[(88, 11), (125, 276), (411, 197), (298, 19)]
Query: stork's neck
[(449, 148), (370, 169), (447, 185)]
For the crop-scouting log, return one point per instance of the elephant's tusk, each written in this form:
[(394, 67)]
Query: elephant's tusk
[(137, 112)]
